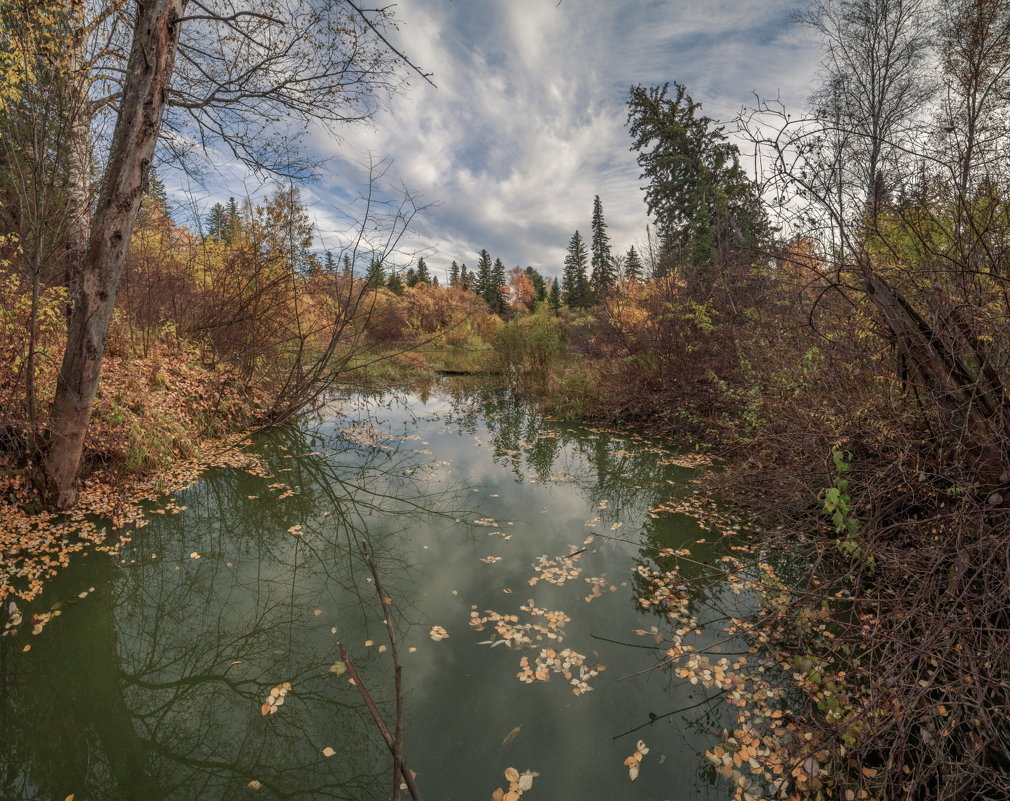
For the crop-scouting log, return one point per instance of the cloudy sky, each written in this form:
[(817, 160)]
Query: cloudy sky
[(527, 122)]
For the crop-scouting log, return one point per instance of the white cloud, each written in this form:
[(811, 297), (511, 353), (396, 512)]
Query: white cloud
[(528, 121)]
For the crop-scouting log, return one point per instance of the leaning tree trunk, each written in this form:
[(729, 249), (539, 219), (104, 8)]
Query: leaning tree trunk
[(152, 57), (971, 403)]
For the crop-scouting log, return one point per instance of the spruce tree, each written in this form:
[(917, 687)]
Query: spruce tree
[(217, 221), (575, 284), (376, 276), (696, 191), (155, 199), (348, 269), (423, 275), (604, 277), (496, 300), (466, 279), (329, 263), (454, 274), (633, 265), (395, 284), (554, 297), (411, 277), (482, 283), (539, 285), (232, 222)]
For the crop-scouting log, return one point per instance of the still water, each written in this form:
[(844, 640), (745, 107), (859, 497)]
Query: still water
[(151, 686)]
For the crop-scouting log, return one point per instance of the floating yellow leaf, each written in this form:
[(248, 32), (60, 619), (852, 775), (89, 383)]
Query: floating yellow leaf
[(438, 633), (254, 785), (339, 668), (328, 752)]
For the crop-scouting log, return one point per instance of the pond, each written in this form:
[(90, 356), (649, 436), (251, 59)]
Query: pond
[(150, 684)]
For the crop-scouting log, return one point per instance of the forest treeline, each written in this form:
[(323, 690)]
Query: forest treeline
[(833, 322)]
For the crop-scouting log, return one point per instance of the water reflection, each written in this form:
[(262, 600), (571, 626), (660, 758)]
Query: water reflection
[(150, 687)]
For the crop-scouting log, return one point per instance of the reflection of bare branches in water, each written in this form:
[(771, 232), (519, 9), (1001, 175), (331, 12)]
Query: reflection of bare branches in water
[(171, 665)]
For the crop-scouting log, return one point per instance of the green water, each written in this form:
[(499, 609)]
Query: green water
[(151, 686)]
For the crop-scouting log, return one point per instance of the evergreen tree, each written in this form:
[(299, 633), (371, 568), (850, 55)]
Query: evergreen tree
[(232, 222), (575, 284), (348, 268), (466, 279), (633, 269), (224, 221), (495, 299), (395, 284), (329, 263), (423, 276), (155, 200), (604, 277), (539, 286), (454, 274), (217, 221), (376, 276), (482, 283), (704, 206), (434, 280), (554, 297), (412, 278)]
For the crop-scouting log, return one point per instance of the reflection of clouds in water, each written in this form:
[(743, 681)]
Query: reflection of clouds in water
[(252, 595)]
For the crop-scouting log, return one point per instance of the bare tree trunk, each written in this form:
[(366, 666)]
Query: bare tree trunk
[(152, 58), (79, 150), (31, 407)]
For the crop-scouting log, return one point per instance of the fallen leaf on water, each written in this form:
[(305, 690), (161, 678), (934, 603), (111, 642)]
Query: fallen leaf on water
[(511, 735), (382, 649), (635, 760), (412, 649), (339, 668), (193, 555), (317, 612), (369, 643), (254, 785), (275, 699), (438, 633), (328, 752)]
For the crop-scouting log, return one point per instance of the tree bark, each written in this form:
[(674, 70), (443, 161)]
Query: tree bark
[(79, 149), (149, 70)]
